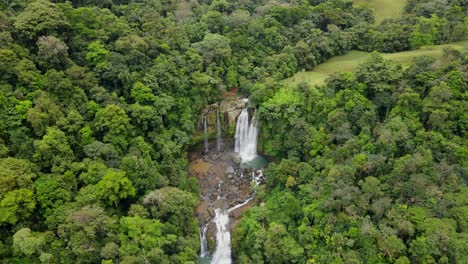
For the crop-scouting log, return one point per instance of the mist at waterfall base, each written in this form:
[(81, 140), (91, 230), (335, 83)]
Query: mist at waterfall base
[(246, 146)]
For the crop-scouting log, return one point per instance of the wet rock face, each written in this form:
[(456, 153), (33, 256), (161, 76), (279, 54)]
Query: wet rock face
[(233, 108), (229, 111)]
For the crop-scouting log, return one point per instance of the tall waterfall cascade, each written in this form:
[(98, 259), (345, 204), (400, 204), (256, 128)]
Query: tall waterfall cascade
[(246, 136), (219, 139)]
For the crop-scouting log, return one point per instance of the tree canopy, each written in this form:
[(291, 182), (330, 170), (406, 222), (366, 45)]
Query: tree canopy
[(99, 102)]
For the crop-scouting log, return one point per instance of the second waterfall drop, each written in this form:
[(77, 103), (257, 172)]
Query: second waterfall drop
[(222, 254), (246, 136)]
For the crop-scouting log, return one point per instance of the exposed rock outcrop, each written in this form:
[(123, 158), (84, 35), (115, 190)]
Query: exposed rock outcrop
[(229, 111)]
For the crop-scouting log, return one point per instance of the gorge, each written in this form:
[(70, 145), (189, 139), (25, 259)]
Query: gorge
[(225, 186)]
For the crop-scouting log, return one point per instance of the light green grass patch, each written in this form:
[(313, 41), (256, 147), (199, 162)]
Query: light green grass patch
[(384, 8), (352, 59)]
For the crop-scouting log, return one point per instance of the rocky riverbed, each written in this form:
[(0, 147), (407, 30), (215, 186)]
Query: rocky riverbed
[(223, 184)]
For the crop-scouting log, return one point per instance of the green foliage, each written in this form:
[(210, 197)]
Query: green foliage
[(114, 186), (27, 243), (172, 205), (16, 205), (40, 18), (97, 56), (99, 101), (52, 51), (376, 183), (15, 174), (134, 234), (114, 125), (51, 192), (53, 151), (213, 48), (425, 32), (45, 113)]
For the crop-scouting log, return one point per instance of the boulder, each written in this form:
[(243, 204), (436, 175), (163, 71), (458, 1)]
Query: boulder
[(236, 159)]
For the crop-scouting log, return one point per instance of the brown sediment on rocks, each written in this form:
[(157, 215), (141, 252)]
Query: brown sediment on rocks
[(199, 167)]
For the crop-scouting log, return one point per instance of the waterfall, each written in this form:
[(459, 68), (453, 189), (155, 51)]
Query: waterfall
[(203, 241), (218, 127), (222, 254), (205, 130), (246, 136), (246, 147)]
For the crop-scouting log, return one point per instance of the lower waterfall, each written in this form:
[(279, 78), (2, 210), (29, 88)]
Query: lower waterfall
[(222, 254), (203, 241)]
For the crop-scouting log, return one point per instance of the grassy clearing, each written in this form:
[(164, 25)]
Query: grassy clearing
[(351, 60), (384, 8)]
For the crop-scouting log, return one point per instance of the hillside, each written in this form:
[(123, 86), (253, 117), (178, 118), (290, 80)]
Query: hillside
[(384, 8), (352, 59)]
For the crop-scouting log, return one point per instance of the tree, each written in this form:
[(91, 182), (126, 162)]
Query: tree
[(17, 205), (51, 192), (45, 113), (114, 186), (53, 151), (97, 56), (142, 172), (173, 205), (40, 18), (9, 60), (142, 94), (53, 52), (84, 231), (143, 238), (106, 152), (379, 75), (62, 89), (214, 21), (16, 174), (280, 247), (426, 32), (213, 48), (27, 242), (113, 123)]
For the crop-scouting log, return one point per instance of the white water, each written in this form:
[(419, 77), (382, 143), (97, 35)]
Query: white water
[(205, 130), (257, 176), (218, 127), (203, 241), (222, 254), (246, 136), (246, 147)]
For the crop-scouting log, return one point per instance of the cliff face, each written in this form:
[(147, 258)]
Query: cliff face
[(229, 111)]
